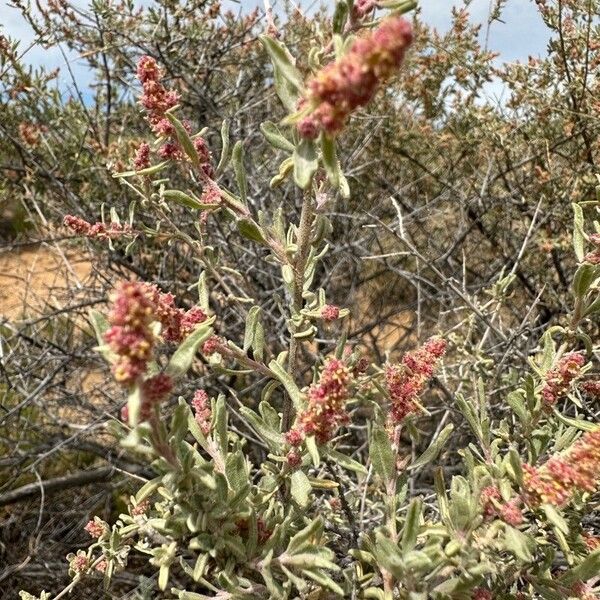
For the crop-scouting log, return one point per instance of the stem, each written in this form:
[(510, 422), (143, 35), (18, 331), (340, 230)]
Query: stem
[(299, 266)]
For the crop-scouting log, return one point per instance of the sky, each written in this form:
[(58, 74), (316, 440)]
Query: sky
[(521, 34)]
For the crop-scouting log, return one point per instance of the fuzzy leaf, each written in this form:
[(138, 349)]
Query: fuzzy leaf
[(578, 233), (240, 170), (274, 136), (432, 452), (288, 383), (411, 525), (300, 488), (381, 454), (184, 355), (305, 163), (224, 159)]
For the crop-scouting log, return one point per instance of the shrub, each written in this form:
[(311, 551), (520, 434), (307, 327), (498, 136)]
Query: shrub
[(298, 480)]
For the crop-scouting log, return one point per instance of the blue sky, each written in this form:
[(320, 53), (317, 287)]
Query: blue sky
[(522, 33)]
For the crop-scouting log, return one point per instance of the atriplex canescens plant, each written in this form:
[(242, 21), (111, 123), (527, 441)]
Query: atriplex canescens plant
[(296, 506)]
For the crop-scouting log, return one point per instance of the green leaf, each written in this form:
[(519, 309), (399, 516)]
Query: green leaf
[(143, 172), (268, 435), (588, 568), (330, 161), (288, 383), (382, 455), (469, 413), (556, 518), (99, 324), (306, 163), (203, 293), (224, 159), (134, 406), (184, 355), (186, 200), (313, 450), (274, 136), (578, 232), (340, 16), (411, 525), (432, 452), (300, 488), (584, 277), (240, 170), (517, 403), (288, 81), (184, 139), (346, 462), (304, 539), (220, 421), (251, 325), (324, 581), (518, 543), (251, 231), (577, 423)]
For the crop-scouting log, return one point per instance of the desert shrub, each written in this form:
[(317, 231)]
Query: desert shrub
[(287, 463)]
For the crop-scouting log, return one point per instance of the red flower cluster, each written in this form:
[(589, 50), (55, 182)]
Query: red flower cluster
[(142, 157), (176, 323), (326, 405), (140, 509), (592, 542), (493, 506), (583, 591), (202, 411), (362, 8), (482, 594), (97, 230), (558, 379), (330, 312), (405, 382), (593, 257), (96, 528), (131, 337), (591, 388), (561, 477), (346, 84), (157, 100), (211, 345)]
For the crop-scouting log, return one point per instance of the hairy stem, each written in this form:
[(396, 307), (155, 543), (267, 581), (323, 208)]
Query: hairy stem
[(299, 266)]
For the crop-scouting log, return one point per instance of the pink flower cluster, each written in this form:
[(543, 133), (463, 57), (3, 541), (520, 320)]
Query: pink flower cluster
[(482, 594), (176, 323), (493, 506), (593, 257), (326, 409), (130, 336), (362, 8), (591, 388), (330, 312), (350, 82), (556, 481), (97, 230), (157, 100), (202, 411), (96, 528), (142, 157), (405, 382), (582, 591), (140, 509), (558, 379)]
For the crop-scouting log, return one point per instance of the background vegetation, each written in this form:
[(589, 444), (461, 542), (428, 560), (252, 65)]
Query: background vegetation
[(451, 194)]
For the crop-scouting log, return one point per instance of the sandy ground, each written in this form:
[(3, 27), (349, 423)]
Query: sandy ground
[(39, 276)]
